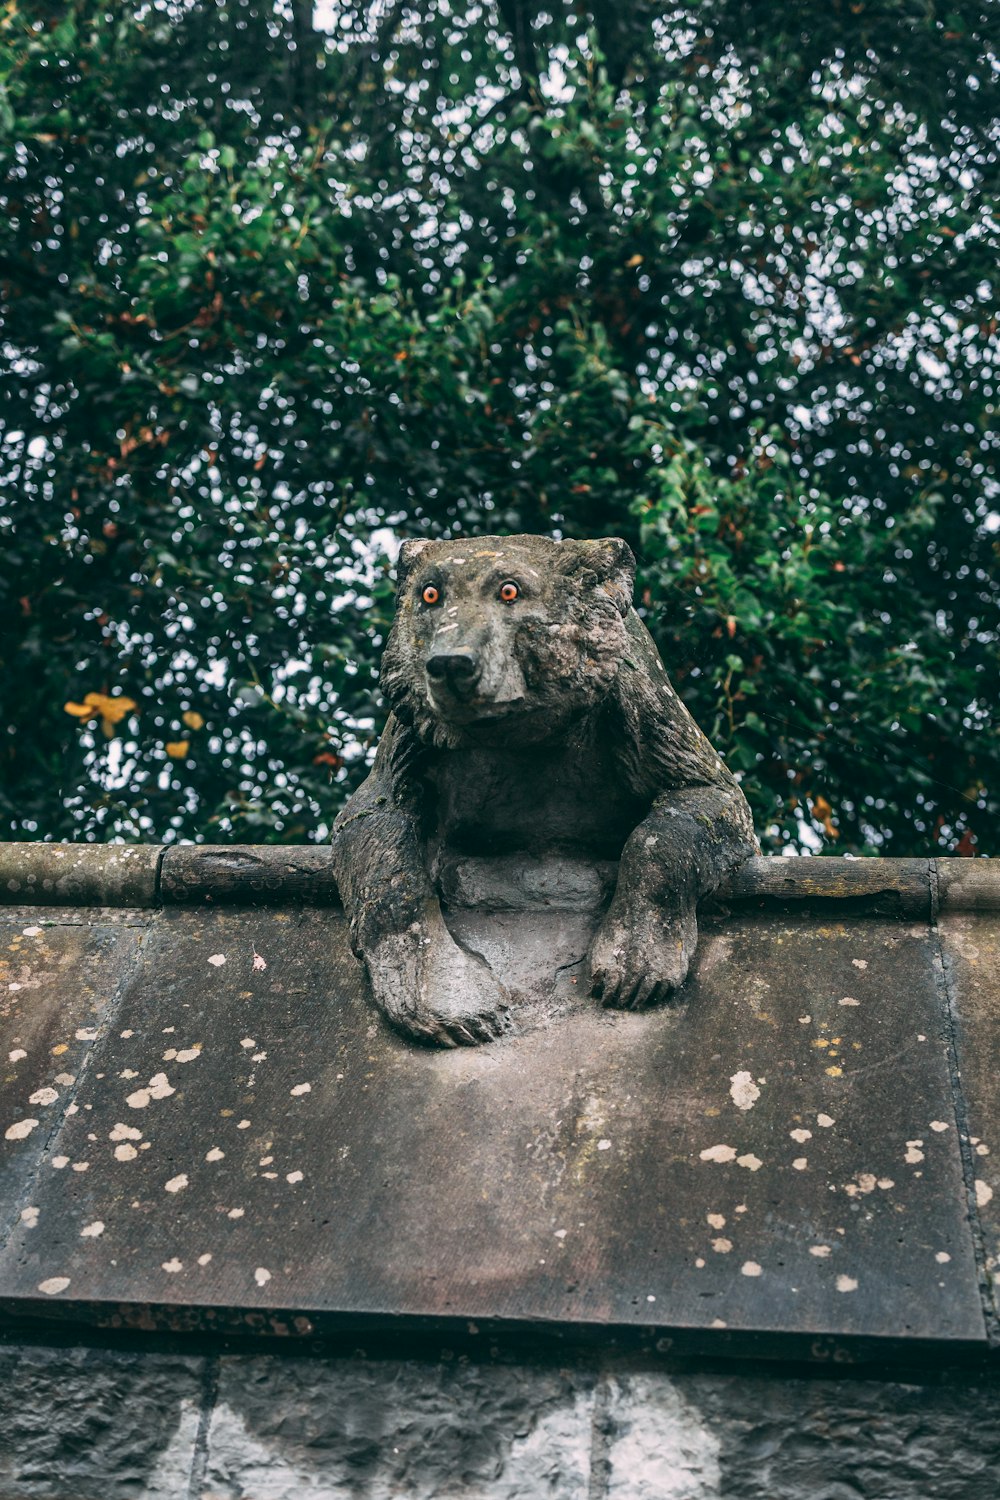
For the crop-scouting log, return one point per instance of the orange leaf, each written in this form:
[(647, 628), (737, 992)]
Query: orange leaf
[(177, 749), (193, 720)]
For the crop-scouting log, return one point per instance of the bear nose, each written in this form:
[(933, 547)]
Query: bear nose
[(458, 669)]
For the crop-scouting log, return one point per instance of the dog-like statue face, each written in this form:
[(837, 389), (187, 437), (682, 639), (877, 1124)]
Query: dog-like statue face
[(521, 632)]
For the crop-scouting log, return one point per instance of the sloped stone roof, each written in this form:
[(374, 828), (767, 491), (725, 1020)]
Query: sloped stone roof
[(205, 1125)]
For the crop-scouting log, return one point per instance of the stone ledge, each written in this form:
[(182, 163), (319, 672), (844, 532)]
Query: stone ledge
[(798, 1158)]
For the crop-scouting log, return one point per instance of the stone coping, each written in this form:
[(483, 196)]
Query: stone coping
[(150, 875)]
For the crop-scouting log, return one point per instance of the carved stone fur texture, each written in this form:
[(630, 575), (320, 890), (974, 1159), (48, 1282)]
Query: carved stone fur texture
[(531, 717)]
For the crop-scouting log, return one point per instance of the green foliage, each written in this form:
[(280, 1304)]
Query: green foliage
[(274, 296)]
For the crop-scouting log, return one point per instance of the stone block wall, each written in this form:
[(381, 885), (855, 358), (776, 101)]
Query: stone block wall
[(100, 1423)]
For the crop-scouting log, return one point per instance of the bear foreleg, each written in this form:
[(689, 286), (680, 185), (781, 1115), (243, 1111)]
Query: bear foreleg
[(692, 838), (422, 980)]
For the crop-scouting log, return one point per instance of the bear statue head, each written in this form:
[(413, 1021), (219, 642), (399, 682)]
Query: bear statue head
[(505, 636)]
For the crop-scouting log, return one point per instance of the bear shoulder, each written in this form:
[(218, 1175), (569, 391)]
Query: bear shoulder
[(656, 741)]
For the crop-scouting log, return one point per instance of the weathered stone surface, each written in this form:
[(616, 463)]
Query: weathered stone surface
[(248, 875), (968, 884), (94, 1424), (57, 981), (87, 874), (886, 887), (971, 944), (779, 1155), (284, 1428), (811, 1439)]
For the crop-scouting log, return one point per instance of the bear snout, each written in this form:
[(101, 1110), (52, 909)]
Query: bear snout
[(459, 670)]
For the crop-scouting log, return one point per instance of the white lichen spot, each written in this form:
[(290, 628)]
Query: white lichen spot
[(125, 1153), (604, 1145), (259, 962), (820, 1251), (886, 1183), (189, 1053), (243, 1125), (718, 1153), (860, 963), (44, 1096), (128, 1073), (259, 1057), (804, 1020), (31, 931), (16, 1055), (800, 1163), (751, 1268), (848, 1000), (300, 1088), (157, 1088), (751, 1162), (984, 1192), (214, 1155), (126, 1034), (64, 1079), (236, 1213), (170, 1054), (124, 1133), (173, 1266), (293, 1177), (59, 1162), (719, 1323), (982, 1149), (700, 1263), (913, 1153), (262, 1276), (866, 1182), (176, 1183), (847, 1283), (717, 1221), (248, 1042), (801, 1136), (217, 960), (722, 1246), (80, 1166), (560, 1234), (20, 1130), (265, 1161), (939, 1125), (942, 1257), (203, 1260), (29, 1217), (86, 1034), (825, 1121), (53, 1285), (743, 1091), (92, 1231)]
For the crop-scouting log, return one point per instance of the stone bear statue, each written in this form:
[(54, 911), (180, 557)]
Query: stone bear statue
[(530, 715)]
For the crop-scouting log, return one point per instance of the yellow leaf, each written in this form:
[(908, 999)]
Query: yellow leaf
[(193, 720), (116, 709), (177, 749), (111, 710)]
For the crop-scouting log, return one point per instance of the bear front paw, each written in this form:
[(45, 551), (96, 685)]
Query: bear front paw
[(640, 961), (437, 992)]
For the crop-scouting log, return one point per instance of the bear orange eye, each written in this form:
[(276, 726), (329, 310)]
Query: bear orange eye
[(509, 592), (430, 594)]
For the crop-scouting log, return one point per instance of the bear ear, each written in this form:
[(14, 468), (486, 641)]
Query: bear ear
[(409, 556), (611, 562)]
